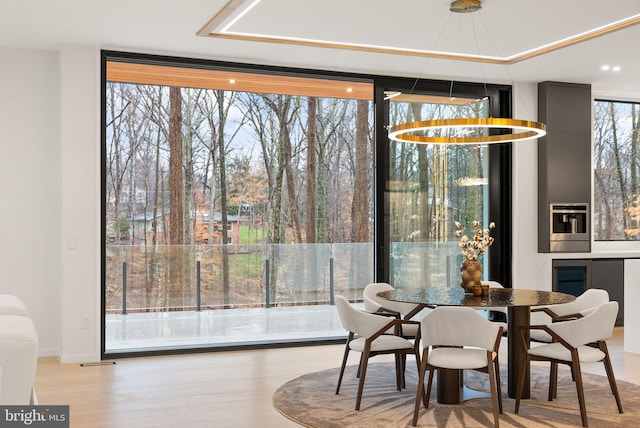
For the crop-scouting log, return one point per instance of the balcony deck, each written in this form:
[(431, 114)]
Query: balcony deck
[(151, 331)]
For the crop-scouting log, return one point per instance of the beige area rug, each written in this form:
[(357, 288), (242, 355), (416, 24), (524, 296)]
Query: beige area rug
[(310, 400)]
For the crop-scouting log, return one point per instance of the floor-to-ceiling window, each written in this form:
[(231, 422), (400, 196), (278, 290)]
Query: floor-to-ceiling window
[(237, 204), (431, 186), (430, 194)]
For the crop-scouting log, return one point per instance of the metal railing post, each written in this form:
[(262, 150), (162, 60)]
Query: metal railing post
[(124, 288), (332, 300), (267, 297), (198, 288)]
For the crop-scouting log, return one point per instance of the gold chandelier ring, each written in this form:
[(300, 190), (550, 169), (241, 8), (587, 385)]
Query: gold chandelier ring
[(520, 130)]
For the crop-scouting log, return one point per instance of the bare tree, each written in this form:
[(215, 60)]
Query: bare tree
[(176, 192), (360, 201), (312, 136)]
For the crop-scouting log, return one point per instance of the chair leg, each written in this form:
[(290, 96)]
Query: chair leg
[(521, 383), (612, 380), (427, 397), (498, 383), (422, 368), (363, 373), (344, 363), (359, 366), (404, 367), (399, 372), (553, 381), (492, 386), (575, 364)]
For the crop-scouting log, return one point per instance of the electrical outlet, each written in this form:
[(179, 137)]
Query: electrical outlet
[(84, 322)]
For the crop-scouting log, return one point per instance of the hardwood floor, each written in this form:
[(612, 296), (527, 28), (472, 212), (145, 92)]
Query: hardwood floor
[(218, 389)]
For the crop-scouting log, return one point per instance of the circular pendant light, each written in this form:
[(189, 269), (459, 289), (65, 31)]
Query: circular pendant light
[(458, 131)]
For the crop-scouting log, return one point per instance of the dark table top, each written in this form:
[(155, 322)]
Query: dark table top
[(455, 296)]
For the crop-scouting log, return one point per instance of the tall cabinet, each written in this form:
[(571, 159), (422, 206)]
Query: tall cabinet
[(564, 163)]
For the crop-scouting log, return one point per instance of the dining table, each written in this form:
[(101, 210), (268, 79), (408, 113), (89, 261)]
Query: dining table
[(518, 301)]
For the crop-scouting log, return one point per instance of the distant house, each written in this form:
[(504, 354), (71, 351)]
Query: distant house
[(142, 227), (202, 228)]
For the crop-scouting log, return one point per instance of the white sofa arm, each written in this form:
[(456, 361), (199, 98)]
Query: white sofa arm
[(12, 305), (18, 359)]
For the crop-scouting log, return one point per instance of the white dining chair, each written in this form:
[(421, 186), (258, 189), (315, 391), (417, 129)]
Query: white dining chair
[(581, 340), (368, 335), (583, 305), (459, 338), (375, 304)]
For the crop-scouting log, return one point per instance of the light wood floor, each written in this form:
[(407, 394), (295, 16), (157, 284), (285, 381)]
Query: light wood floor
[(218, 389)]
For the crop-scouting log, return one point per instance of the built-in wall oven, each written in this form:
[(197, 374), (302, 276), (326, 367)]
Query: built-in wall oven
[(569, 227)]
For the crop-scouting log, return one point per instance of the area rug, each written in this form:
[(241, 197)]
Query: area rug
[(310, 400)]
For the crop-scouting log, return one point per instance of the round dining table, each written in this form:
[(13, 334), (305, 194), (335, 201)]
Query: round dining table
[(518, 302)]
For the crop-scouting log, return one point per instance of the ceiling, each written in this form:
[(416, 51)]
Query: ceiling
[(520, 41)]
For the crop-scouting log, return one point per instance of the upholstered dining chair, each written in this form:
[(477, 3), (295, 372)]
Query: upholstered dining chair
[(581, 340), (367, 336), (583, 305), (401, 310), (375, 304), (459, 338)]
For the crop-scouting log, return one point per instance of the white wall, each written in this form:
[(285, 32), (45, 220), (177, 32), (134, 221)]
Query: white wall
[(80, 226), (30, 188), (49, 191), (530, 269)]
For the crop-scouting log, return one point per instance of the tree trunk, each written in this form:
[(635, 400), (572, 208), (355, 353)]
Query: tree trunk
[(176, 191), (633, 159), (223, 199), (360, 201), (189, 228), (620, 171), (312, 135)]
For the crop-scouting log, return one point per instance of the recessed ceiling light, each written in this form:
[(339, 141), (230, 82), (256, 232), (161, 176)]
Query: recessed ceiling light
[(616, 68), (605, 67), (349, 89), (232, 81)]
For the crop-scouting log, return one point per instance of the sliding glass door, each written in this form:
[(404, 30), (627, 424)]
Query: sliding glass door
[(428, 188)]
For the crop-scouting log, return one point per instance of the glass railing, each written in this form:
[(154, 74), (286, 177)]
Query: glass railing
[(427, 264), (201, 277), (170, 278)]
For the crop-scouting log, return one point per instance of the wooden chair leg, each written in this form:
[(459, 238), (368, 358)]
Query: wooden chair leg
[(575, 364), (498, 383), (344, 363), (422, 368), (417, 354), (427, 397), (612, 380), (521, 383), (404, 367), (363, 374), (494, 394), (360, 366), (399, 373), (553, 381)]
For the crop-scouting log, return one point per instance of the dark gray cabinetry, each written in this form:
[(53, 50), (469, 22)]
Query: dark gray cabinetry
[(564, 155), (608, 274)]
